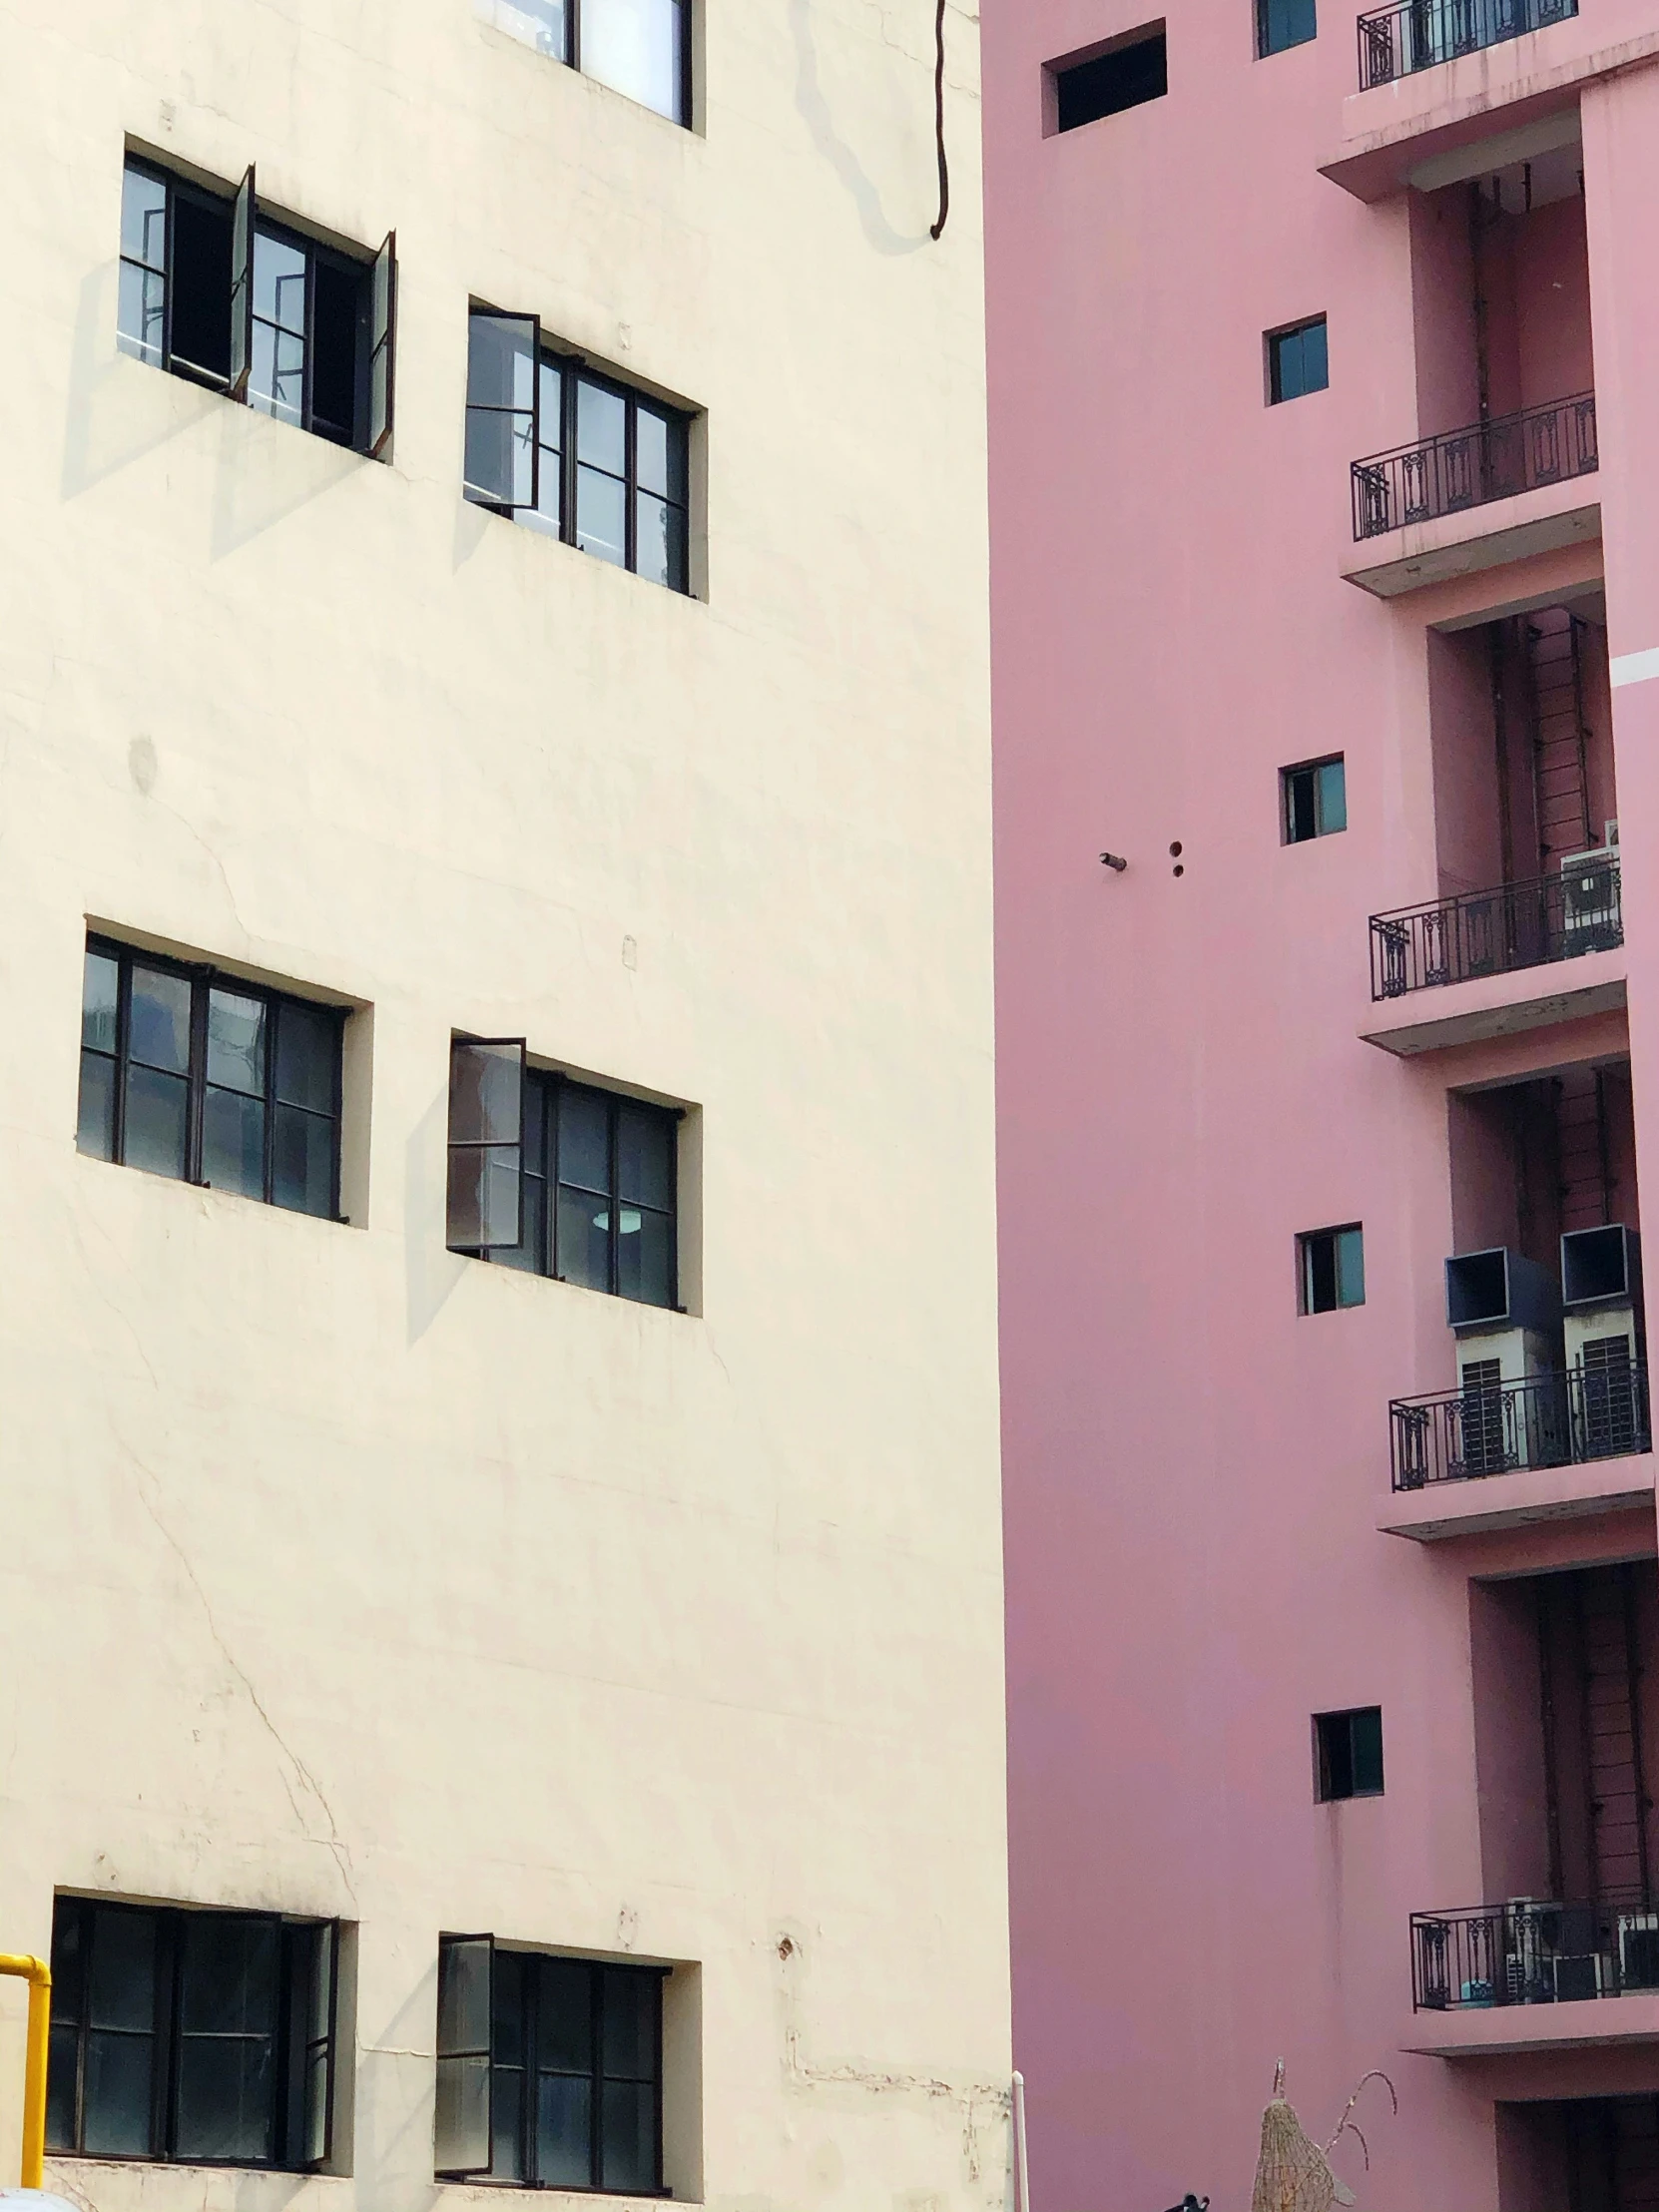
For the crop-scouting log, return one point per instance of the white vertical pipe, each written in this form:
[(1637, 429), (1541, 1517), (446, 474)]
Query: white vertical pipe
[(1021, 2174)]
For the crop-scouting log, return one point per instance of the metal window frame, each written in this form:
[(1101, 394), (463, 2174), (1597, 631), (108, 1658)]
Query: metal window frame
[(529, 2026), (485, 2052), (682, 9), (1305, 1241), (1345, 1718), (361, 273), (203, 979), (461, 1041), (167, 2033), (1272, 340), (1287, 826), (1265, 49)]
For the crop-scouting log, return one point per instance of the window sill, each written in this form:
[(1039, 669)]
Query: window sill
[(549, 2197), (284, 2181)]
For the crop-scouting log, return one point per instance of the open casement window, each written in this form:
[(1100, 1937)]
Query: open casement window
[(503, 410), (383, 342), (486, 1144), (197, 2037), (462, 2129), (242, 288)]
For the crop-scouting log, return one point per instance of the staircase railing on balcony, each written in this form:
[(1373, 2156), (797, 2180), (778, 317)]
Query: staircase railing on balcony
[(1516, 925), (1398, 40), (1532, 1952), (1466, 468), (1548, 1421)]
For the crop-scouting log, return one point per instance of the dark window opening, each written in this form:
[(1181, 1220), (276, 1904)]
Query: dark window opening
[(1127, 75), (550, 2070), (1284, 23), (1298, 361), (640, 47), (213, 291), (1348, 1754), (195, 1075), (206, 2038), (551, 444), (1316, 800), (1332, 1269), (559, 1179)]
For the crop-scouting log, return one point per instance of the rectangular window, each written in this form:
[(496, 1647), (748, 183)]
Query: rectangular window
[(214, 290), (550, 2069), (1316, 800), (1348, 1754), (198, 1076), (1332, 1269), (1130, 70), (1298, 361), (1283, 23), (596, 1173), (551, 444), (198, 2037), (640, 47)]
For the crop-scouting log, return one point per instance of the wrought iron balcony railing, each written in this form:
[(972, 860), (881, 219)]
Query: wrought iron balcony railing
[(1496, 1427), (1398, 40), (1518, 925), (1466, 468), (1532, 1952)]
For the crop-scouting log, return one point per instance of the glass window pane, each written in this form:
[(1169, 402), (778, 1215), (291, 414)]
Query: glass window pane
[(277, 382), (302, 1162), (602, 516), (601, 427), (461, 2128), (116, 2119), (651, 452), (501, 375), (630, 2003), (1351, 1268), (224, 2097), (660, 542), (507, 2123), (160, 1019), (141, 314), (308, 1056), (68, 1955), (98, 1001), (232, 1142), (144, 220), (1332, 797), (229, 1977), (486, 1093), (95, 1130), (645, 1257), (121, 1989), (507, 2010), (564, 2129), (485, 1187), (155, 1133), (564, 2019), (498, 457), (584, 1138), (645, 1142), (539, 23), (279, 284), (1367, 1751), (529, 1253), (63, 2056), (630, 2136), (235, 1042), (634, 46), (583, 1254)]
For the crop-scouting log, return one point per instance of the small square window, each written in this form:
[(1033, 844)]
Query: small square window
[(1316, 800), (1298, 361), (1332, 1269), (1348, 1754), (1130, 72), (1283, 23)]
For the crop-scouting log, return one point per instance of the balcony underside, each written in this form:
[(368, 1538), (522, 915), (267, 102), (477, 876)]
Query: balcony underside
[(1506, 2030), (1499, 1006), (1475, 1507), (1474, 538)]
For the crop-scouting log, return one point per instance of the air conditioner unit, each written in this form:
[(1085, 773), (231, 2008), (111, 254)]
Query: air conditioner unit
[(1639, 1951), (1579, 1975), (1506, 1312), (1591, 915), (1532, 1932), (1602, 1326)]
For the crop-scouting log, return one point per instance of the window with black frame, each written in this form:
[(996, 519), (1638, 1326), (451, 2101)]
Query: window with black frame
[(193, 2037), (196, 1075), (549, 2070), (215, 289), (554, 444), (640, 47), (559, 1178)]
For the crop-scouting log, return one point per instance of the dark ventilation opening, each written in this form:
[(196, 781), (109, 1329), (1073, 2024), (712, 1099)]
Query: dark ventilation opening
[(1127, 75), (1348, 1754), (1595, 1266), (1478, 1289), (200, 285)]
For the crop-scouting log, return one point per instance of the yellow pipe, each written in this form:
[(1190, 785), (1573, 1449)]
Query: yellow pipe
[(38, 1975)]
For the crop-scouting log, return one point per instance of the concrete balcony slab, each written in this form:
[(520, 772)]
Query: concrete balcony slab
[(1502, 530), (1499, 1006), (1442, 1511), (1503, 2030)]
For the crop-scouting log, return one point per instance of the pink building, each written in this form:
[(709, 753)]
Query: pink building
[(1325, 390)]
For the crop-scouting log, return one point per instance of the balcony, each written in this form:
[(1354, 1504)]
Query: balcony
[(1495, 932), (1548, 1421), (1398, 40), (1461, 469), (1532, 1951)]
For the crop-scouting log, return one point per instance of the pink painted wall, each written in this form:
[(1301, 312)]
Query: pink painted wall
[(1192, 1468)]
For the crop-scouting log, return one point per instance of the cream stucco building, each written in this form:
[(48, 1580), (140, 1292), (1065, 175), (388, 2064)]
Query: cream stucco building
[(616, 689)]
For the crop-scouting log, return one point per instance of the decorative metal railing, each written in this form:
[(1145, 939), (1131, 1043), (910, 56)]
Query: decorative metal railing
[(1530, 1952), (1548, 1421), (1410, 35), (1518, 925), (1466, 468)]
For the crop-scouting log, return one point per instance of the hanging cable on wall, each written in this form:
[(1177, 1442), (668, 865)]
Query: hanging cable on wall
[(936, 230)]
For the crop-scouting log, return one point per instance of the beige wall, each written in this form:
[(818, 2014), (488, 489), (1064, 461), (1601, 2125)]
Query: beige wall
[(339, 1574)]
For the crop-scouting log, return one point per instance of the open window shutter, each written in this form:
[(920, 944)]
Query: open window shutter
[(486, 1147), (315, 2003), (382, 345), (462, 2125), (242, 288), (504, 408)]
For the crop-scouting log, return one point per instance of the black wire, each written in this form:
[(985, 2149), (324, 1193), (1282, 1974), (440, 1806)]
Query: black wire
[(938, 228)]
